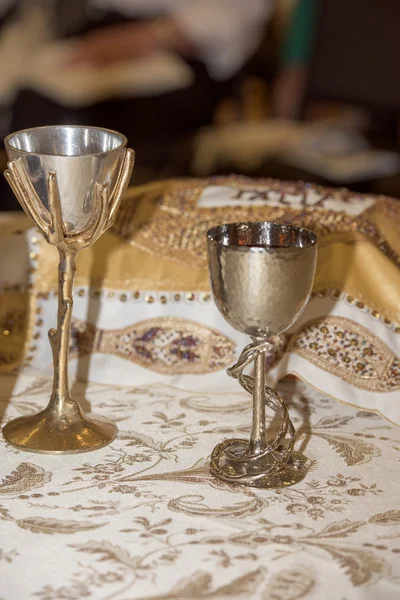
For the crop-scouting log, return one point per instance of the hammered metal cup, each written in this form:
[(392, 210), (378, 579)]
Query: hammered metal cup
[(261, 279), (70, 181)]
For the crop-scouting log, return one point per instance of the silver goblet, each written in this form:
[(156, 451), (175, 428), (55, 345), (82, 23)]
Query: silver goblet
[(261, 279), (70, 181)]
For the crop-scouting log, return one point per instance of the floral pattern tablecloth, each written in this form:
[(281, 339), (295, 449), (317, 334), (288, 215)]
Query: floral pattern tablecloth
[(143, 518)]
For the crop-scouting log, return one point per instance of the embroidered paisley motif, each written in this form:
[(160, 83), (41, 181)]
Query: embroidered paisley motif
[(350, 351), (167, 345)]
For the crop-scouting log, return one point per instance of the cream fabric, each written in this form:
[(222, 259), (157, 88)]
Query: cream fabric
[(143, 518)]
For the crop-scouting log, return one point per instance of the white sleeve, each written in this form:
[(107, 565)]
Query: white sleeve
[(225, 32)]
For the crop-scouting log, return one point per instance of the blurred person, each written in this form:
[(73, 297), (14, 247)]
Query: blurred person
[(214, 38), (296, 53)]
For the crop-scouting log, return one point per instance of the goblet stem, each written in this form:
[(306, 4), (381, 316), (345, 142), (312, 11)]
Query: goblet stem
[(257, 438), (59, 338), (259, 463)]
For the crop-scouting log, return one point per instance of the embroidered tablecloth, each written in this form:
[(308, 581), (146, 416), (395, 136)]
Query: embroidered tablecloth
[(143, 518)]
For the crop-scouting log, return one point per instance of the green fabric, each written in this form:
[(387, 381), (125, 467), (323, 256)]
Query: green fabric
[(298, 44)]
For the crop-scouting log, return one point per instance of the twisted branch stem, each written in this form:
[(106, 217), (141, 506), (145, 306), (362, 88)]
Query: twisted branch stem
[(282, 445), (258, 435), (59, 338)]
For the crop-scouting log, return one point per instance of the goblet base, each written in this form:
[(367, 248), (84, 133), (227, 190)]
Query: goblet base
[(232, 462), (50, 432)]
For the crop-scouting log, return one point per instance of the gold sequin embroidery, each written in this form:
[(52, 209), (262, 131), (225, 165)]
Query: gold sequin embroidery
[(178, 233), (348, 350)]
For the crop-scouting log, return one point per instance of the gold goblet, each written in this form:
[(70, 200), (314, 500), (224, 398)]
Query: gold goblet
[(261, 279), (70, 181)]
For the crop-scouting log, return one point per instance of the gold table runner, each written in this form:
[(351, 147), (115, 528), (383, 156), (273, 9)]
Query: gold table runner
[(142, 306)]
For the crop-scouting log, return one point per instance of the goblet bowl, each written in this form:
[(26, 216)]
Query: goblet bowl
[(80, 156), (261, 274)]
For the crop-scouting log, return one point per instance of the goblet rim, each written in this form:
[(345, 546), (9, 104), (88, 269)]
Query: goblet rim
[(123, 138), (309, 233)]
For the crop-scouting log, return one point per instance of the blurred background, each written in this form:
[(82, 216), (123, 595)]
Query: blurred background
[(294, 89)]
